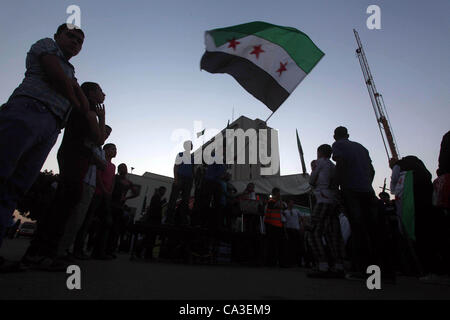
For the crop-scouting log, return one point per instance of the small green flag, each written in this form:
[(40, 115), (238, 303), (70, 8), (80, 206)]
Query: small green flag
[(200, 133), (408, 211)]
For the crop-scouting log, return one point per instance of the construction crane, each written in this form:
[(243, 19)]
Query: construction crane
[(378, 104)]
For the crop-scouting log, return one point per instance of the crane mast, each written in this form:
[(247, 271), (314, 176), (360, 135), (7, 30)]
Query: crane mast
[(377, 104)]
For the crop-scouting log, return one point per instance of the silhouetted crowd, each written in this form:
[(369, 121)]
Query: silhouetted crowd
[(350, 228), (83, 214)]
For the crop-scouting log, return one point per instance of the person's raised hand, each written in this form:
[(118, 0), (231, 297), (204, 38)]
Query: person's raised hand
[(100, 110)]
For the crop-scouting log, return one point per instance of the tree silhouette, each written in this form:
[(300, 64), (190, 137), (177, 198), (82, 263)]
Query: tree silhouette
[(40, 196)]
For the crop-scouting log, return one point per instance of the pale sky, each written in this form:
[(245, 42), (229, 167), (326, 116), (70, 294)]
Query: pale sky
[(146, 56)]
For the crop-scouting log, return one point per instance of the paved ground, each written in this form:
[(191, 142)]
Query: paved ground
[(124, 279)]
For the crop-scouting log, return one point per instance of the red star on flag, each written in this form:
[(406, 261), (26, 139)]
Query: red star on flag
[(233, 43), (257, 50), (282, 68)]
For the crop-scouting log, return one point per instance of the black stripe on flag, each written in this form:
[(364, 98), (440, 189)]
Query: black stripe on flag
[(255, 80)]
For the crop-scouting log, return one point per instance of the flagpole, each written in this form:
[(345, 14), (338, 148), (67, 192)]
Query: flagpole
[(269, 117), (300, 151), (145, 200)]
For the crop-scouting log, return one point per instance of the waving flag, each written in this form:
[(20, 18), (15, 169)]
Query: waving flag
[(199, 134), (269, 61)]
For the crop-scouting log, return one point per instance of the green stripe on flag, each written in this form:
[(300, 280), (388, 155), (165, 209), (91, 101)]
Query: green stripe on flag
[(304, 211), (408, 211), (297, 44)]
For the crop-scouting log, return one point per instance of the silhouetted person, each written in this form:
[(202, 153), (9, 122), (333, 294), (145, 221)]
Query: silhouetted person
[(444, 156), (35, 113), (442, 189), (249, 192), (198, 215), (153, 218), (294, 241), (183, 174), (355, 174), (442, 183), (325, 221), (212, 194), (428, 230), (97, 134), (274, 229), (12, 231), (390, 241), (100, 207), (119, 196), (252, 222), (73, 195)]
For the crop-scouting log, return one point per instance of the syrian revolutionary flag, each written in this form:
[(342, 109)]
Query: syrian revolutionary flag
[(269, 61), (199, 134)]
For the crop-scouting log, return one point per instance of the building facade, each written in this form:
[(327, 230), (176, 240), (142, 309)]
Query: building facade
[(146, 184), (246, 162)]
